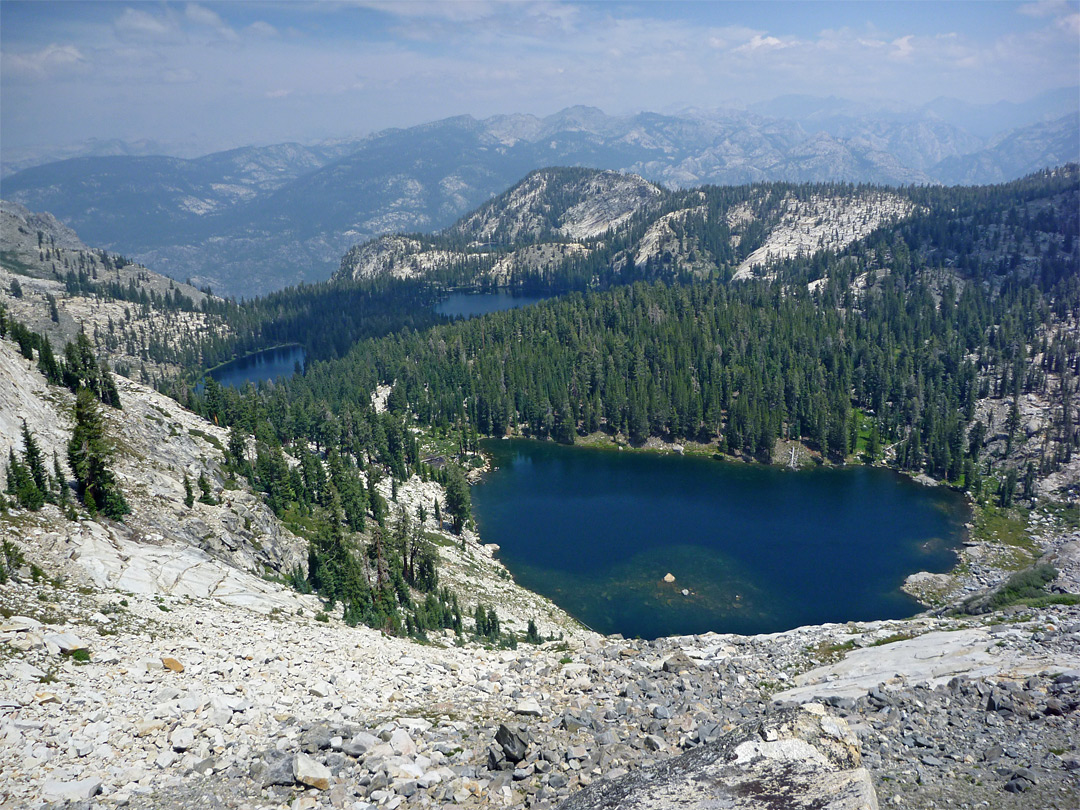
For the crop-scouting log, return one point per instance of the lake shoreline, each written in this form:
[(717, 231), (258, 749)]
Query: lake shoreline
[(208, 372), (982, 562), (718, 528)]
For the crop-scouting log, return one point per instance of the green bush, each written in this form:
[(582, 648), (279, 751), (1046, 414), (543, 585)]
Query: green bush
[(1023, 586)]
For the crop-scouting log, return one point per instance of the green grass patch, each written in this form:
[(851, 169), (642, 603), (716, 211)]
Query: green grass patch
[(11, 262), (209, 439), (895, 637), (827, 653), (1005, 527)]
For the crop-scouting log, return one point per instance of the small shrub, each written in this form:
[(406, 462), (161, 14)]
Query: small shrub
[(80, 656), (321, 617)]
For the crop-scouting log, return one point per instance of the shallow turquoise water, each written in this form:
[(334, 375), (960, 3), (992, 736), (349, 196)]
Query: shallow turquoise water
[(759, 549)]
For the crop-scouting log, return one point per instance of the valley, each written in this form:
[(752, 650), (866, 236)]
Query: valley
[(539, 405), (300, 610)]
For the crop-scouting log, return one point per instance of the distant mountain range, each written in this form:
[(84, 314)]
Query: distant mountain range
[(251, 220)]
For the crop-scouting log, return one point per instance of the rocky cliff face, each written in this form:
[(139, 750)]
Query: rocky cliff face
[(550, 215), (575, 205), (156, 443)]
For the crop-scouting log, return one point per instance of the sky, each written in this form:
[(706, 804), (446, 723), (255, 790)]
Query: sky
[(197, 77)]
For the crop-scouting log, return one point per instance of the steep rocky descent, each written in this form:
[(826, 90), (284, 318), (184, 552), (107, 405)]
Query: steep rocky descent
[(144, 323), (188, 701), (157, 443)]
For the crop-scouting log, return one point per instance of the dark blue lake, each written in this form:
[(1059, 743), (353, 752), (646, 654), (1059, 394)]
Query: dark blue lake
[(471, 304), (260, 367), (758, 549)]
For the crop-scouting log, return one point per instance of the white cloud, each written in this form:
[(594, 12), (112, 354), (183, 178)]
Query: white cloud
[(137, 24), (261, 28), (1044, 8), (903, 47), (49, 61), (1069, 23), (761, 43), (201, 15)]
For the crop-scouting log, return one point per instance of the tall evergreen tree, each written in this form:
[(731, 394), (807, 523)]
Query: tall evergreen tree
[(89, 454)]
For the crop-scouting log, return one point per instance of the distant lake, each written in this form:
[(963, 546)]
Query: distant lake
[(260, 367), (759, 549), (471, 304)]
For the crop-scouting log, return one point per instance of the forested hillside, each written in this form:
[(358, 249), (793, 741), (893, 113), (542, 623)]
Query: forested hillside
[(944, 342)]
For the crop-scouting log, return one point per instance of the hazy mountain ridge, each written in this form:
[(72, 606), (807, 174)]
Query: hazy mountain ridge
[(54, 284), (251, 220)]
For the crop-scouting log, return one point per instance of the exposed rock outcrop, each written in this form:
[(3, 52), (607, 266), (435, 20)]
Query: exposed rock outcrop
[(798, 758)]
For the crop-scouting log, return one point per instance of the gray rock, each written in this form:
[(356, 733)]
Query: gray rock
[(81, 790), (402, 743), (677, 662), (514, 742), (308, 772), (182, 738), (275, 768), (795, 757), (360, 744), (528, 708), (654, 742), (315, 738)]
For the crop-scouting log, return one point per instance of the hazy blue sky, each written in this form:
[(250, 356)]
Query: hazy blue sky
[(226, 74)]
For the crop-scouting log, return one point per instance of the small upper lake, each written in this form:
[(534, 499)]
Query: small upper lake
[(757, 549), (260, 367), (471, 304)]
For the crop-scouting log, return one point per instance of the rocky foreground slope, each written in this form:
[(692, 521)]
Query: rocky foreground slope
[(150, 664)]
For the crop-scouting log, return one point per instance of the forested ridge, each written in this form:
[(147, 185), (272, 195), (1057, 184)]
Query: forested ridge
[(886, 345)]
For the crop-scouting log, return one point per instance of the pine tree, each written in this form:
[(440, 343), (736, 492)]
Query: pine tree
[(206, 496), (458, 500), (189, 496), (33, 459), (60, 479), (89, 454)]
